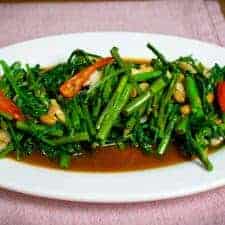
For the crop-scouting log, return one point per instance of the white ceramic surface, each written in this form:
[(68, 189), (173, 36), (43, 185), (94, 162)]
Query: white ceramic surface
[(169, 182)]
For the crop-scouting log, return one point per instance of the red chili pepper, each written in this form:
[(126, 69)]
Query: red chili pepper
[(72, 86), (7, 106), (221, 95)]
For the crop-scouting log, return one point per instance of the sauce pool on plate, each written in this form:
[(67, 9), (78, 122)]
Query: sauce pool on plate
[(112, 159)]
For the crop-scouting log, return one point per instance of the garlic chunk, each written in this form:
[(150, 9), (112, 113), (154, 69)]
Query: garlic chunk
[(143, 68), (94, 78), (179, 93), (4, 139), (54, 113), (187, 67), (185, 109), (144, 86), (216, 141)]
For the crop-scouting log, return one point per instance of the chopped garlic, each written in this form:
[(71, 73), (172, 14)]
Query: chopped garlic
[(179, 93), (143, 68), (94, 78), (56, 109), (143, 119), (4, 139), (54, 113), (134, 71), (144, 86), (187, 67), (185, 109), (216, 141), (48, 119)]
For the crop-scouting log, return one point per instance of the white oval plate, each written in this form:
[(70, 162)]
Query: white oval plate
[(146, 185)]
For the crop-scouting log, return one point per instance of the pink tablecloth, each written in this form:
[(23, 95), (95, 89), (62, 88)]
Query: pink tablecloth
[(190, 18)]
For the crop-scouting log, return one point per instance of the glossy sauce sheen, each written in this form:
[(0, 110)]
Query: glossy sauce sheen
[(113, 160)]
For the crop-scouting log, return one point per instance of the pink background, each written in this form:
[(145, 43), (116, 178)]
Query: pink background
[(189, 18)]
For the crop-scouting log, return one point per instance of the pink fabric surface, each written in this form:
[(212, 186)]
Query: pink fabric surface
[(190, 18)]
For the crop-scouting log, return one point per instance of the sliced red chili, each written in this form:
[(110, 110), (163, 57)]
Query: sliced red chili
[(8, 106), (72, 86)]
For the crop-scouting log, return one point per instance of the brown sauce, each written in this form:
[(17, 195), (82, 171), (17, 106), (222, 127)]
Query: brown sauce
[(113, 160)]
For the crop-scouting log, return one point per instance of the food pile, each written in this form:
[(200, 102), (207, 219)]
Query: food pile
[(91, 102)]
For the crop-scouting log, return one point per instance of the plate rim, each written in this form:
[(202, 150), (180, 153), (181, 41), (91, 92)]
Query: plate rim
[(113, 199), (27, 41)]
